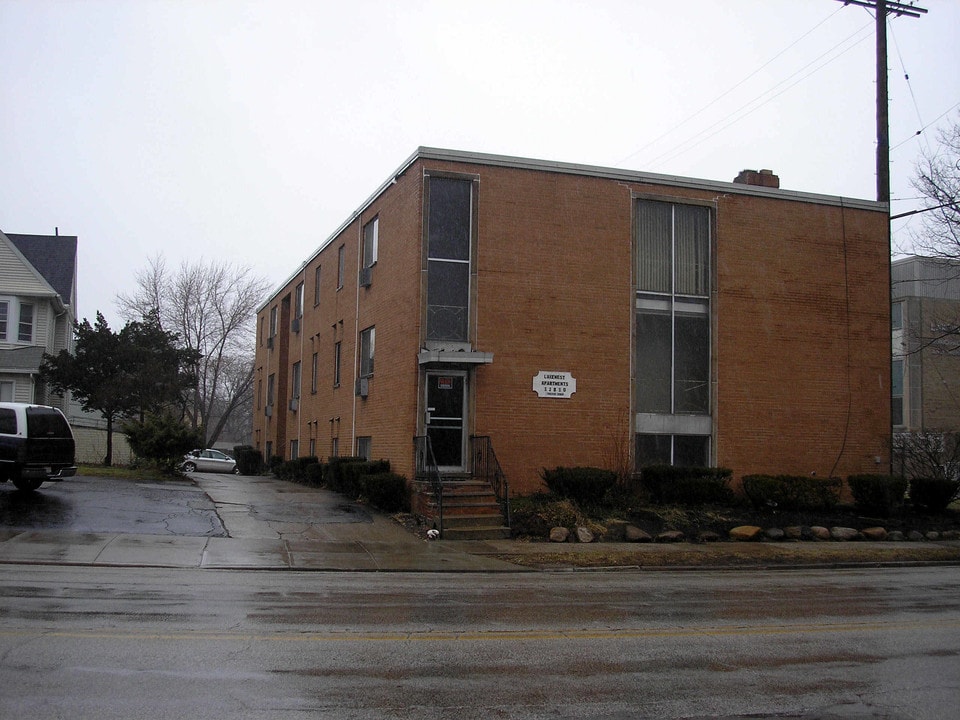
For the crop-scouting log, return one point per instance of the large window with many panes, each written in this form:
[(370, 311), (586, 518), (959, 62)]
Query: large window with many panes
[(672, 333), (448, 259)]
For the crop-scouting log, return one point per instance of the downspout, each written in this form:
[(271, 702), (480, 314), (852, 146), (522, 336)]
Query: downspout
[(356, 334), (303, 328)]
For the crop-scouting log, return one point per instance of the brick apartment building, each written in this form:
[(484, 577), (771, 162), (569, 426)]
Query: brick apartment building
[(574, 315)]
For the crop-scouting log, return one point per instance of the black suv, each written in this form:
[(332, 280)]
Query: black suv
[(36, 444)]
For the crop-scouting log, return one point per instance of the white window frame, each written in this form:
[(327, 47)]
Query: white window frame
[(371, 242), (368, 340)]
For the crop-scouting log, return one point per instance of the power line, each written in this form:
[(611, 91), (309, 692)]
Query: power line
[(727, 92)]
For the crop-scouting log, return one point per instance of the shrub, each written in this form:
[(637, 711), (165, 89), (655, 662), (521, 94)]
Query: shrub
[(386, 491), (880, 494), (792, 492), (670, 485), (536, 515), (163, 439), (933, 494), (287, 470), (584, 485), (249, 461), (313, 474), (343, 473)]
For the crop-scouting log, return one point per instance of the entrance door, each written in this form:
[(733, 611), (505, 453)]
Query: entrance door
[(446, 405)]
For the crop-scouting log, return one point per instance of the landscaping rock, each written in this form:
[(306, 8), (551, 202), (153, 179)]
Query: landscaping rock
[(874, 533), (632, 533), (745, 533), (794, 532), (951, 535), (914, 536), (559, 534), (708, 536), (895, 536), (775, 534), (932, 535), (819, 533), (669, 536), (844, 533), (584, 535)]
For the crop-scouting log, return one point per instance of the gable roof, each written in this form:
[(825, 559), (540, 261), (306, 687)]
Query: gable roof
[(54, 257)]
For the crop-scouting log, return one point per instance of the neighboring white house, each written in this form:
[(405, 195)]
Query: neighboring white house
[(38, 306), (38, 300)]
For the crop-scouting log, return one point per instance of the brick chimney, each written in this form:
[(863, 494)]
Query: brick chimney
[(764, 178)]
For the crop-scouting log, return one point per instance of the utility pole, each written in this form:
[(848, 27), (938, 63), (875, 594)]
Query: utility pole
[(883, 8)]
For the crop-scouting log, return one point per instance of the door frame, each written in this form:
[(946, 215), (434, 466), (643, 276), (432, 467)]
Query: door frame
[(464, 415)]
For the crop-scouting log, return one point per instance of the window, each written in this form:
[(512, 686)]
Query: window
[(25, 330), (896, 393), (336, 364), (367, 338), (334, 447), (273, 321), (259, 393), (298, 302), (672, 333), (6, 391), (679, 450), (371, 241), (316, 286), (294, 449), (4, 317), (295, 381), (271, 381), (313, 447), (448, 259), (314, 372), (340, 266), (8, 421), (896, 316), (363, 448)]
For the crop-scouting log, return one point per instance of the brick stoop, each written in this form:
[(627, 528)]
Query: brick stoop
[(470, 510)]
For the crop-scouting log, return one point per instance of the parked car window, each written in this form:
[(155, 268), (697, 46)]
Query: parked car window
[(46, 422), (8, 421)]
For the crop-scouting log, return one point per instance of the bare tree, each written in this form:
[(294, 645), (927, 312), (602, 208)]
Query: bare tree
[(937, 178), (212, 307)]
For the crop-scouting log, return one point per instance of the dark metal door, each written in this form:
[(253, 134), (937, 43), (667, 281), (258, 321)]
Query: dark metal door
[(446, 404)]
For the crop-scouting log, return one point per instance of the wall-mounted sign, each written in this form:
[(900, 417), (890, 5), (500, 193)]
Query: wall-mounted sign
[(551, 383)]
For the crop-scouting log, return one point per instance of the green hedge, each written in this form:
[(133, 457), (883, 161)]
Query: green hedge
[(671, 485), (249, 460), (933, 494), (342, 474), (878, 494), (792, 492), (296, 469), (385, 490), (583, 485)]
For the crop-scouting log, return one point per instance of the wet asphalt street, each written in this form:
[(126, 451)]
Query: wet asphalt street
[(113, 609)]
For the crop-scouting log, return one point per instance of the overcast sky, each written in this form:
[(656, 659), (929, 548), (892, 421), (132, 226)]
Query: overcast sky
[(251, 130)]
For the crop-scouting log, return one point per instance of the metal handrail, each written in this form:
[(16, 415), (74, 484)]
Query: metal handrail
[(486, 466), (427, 470)]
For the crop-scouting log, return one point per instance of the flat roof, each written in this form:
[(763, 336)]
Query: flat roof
[(618, 174)]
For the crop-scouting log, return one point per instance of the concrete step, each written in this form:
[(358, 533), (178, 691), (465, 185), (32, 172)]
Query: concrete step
[(471, 521), (477, 533)]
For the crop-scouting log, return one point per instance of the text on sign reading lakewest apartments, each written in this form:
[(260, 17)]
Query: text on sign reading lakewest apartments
[(554, 384)]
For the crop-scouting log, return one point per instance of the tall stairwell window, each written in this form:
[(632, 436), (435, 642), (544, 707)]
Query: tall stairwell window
[(448, 259), (672, 333)]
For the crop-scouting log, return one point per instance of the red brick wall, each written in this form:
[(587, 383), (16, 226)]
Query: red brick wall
[(801, 349)]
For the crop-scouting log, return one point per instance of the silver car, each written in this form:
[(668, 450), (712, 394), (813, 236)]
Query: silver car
[(208, 461)]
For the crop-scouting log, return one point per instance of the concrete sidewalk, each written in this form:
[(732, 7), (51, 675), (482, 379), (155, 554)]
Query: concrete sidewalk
[(283, 526)]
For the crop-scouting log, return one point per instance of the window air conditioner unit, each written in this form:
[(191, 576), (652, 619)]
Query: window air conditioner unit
[(268, 410), (270, 342), (295, 325), (362, 387), (295, 404), (366, 277)]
